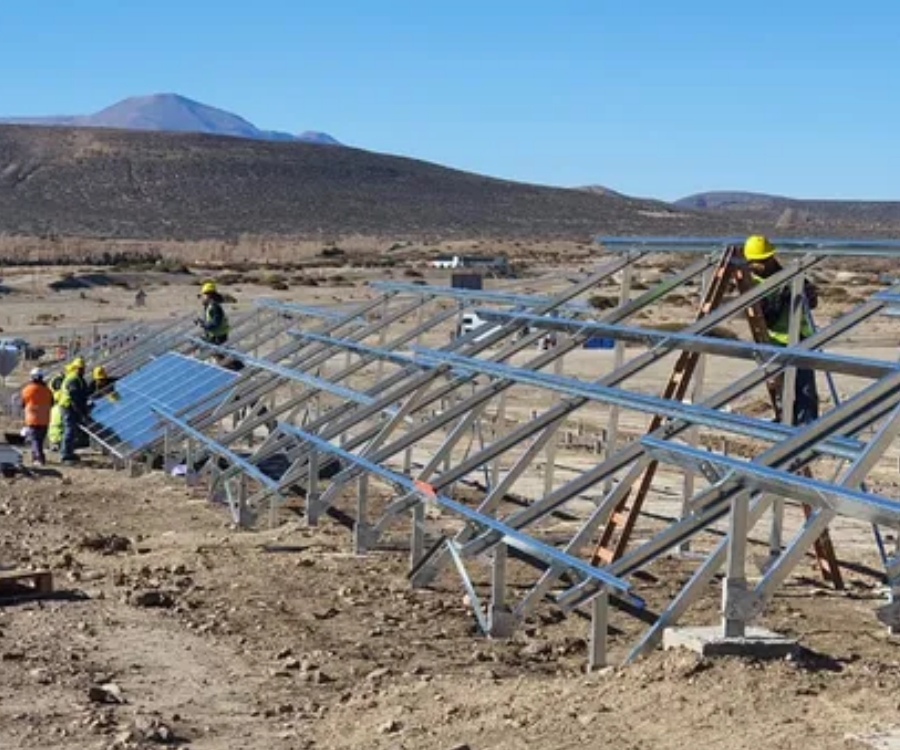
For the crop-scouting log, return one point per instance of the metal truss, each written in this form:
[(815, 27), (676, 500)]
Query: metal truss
[(380, 415)]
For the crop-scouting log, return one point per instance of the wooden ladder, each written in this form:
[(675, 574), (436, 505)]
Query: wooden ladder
[(618, 530)]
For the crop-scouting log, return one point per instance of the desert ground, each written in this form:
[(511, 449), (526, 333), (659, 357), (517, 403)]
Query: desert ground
[(172, 628)]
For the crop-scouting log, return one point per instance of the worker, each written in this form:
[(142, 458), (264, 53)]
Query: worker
[(101, 383), (776, 309), (73, 400), (56, 429), (214, 321), (37, 398)]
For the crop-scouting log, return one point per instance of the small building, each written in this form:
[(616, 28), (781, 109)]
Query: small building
[(493, 264), (467, 281)]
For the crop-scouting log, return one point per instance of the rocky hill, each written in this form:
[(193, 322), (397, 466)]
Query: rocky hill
[(778, 214), (116, 183)]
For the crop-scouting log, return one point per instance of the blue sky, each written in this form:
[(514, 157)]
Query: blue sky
[(647, 97)]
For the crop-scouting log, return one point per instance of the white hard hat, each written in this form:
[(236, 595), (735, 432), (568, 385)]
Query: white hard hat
[(37, 374)]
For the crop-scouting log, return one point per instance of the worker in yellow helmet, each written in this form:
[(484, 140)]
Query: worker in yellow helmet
[(72, 398), (101, 383), (214, 321), (760, 254)]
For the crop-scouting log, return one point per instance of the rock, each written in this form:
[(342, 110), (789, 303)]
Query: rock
[(41, 676), (536, 649), (377, 674), (153, 729), (461, 746), (152, 598), (390, 727), (106, 544), (106, 693), (284, 653), (291, 663)]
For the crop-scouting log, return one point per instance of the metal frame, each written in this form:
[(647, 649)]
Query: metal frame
[(371, 390)]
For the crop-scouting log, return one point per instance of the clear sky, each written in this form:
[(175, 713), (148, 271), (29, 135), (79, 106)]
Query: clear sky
[(648, 97)]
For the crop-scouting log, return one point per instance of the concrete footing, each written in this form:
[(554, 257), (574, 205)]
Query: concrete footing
[(758, 643), (879, 741)]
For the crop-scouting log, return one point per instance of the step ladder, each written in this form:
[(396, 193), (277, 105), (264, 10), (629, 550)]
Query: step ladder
[(616, 534)]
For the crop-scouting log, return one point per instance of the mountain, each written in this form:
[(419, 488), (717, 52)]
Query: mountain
[(775, 213), (731, 199), (601, 190), (87, 182), (323, 139), (172, 113)]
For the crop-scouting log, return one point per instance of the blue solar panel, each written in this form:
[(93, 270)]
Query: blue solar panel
[(171, 382)]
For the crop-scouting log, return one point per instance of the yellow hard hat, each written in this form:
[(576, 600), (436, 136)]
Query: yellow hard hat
[(77, 363), (758, 247), (208, 287), (99, 373)]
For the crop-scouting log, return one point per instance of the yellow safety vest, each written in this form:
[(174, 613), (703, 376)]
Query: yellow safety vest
[(779, 331)]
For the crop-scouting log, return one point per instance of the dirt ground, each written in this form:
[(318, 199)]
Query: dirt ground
[(171, 628)]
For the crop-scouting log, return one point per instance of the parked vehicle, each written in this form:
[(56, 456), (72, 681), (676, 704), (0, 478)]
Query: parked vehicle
[(26, 350), (471, 321)]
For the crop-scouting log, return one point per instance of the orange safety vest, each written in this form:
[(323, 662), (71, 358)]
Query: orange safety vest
[(38, 400)]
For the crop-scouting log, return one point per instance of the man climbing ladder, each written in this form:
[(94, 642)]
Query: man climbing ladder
[(776, 311)]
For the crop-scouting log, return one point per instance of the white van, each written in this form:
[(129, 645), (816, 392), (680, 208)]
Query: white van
[(470, 322)]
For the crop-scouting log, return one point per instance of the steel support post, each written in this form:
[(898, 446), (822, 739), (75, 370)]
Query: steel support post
[(500, 621), (892, 571), (552, 444), (597, 657), (734, 587), (361, 527), (612, 427), (382, 337), (499, 429), (312, 487), (417, 537)]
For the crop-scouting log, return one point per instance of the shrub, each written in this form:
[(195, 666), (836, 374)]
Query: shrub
[(601, 302)]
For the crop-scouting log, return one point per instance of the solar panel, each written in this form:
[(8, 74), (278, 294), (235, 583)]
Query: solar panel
[(124, 420)]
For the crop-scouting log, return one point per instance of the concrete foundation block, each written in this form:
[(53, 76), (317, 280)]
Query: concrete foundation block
[(879, 740), (758, 643)]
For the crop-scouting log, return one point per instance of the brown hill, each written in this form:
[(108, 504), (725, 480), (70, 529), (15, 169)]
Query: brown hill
[(121, 184), (780, 215)]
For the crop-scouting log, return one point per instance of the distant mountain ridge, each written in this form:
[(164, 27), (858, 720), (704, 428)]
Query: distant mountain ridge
[(172, 113), (731, 199), (798, 215)]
